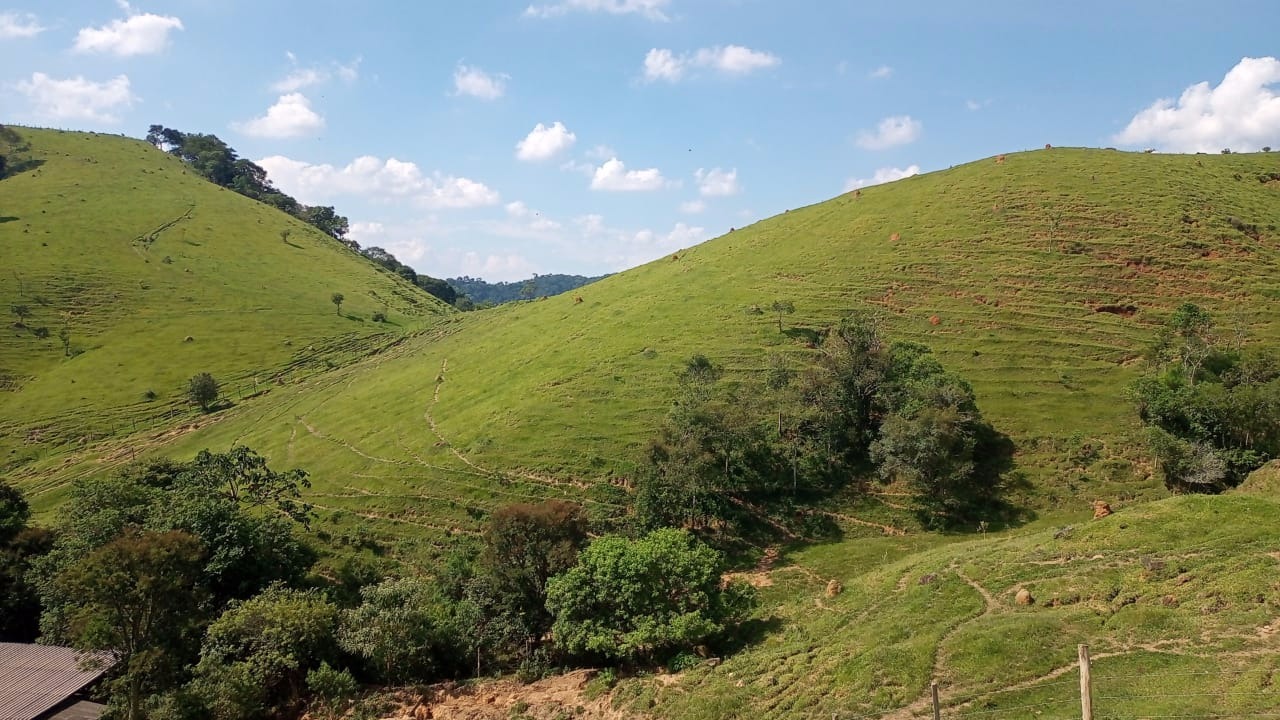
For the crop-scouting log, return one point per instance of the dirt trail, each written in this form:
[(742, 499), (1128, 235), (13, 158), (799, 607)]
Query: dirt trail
[(504, 699), (886, 529)]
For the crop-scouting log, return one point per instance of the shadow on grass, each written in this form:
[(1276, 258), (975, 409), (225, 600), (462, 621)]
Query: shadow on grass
[(749, 633), (808, 335), (293, 245), (8, 219)]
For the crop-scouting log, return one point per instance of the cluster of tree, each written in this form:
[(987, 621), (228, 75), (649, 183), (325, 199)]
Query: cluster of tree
[(1211, 404), (219, 163), (14, 157), (487, 294), (193, 577), (864, 408), (435, 286)]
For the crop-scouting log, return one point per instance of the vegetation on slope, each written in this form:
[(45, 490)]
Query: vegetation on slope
[(133, 274)]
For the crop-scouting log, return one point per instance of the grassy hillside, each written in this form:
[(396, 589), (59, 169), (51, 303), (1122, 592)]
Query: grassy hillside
[(157, 275)]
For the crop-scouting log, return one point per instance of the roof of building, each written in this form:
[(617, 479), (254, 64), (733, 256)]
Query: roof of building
[(36, 678)]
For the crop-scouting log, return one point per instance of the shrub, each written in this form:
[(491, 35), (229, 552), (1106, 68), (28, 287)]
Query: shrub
[(379, 317), (41, 332), (335, 689)]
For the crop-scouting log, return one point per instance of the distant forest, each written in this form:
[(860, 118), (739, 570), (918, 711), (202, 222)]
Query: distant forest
[(484, 293)]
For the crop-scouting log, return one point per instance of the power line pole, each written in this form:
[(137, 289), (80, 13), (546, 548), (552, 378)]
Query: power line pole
[(937, 708)]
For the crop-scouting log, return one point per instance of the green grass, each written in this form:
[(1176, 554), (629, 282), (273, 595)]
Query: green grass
[(158, 275)]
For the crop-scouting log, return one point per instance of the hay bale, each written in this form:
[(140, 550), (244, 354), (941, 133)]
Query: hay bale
[(1024, 597)]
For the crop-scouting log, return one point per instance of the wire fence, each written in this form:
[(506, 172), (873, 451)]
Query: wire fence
[(1115, 696)]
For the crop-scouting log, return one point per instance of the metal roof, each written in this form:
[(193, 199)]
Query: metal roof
[(36, 678)]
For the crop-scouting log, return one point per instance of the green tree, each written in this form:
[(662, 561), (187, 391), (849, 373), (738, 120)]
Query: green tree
[(402, 630), (14, 512), (19, 601), (642, 600), (242, 476), (255, 657), (137, 598), (932, 450), (337, 299), (782, 307), (64, 335), (203, 390)]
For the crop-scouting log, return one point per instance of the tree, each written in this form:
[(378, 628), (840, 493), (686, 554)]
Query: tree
[(243, 477), (22, 312), (14, 512), (64, 335), (932, 450), (402, 629), (19, 601), (337, 299), (641, 600), (327, 221), (782, 307), (203, 390), (136, 598), (255, 657)]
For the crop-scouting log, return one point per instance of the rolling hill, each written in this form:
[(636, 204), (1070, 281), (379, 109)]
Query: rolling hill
[(156, 275), (1038, 276)]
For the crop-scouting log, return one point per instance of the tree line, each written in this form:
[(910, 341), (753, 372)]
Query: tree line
[(480, 293)]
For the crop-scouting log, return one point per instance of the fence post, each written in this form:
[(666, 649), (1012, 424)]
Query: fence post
[(1086, 685), (937, 709)]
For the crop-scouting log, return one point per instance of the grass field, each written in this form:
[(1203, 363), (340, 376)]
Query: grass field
[(158, 275), (1039, 277)]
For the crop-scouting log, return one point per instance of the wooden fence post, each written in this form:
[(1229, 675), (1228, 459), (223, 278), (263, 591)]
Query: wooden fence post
[(937, 709), (1086, 685)]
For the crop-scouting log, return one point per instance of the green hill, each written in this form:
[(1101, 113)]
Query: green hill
[(1040, 277), (156, 275)]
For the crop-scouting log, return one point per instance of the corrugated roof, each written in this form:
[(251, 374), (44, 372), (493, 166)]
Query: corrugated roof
[(82, 710), (35, 678)]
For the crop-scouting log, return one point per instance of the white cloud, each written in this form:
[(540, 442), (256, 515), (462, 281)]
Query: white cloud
[(663, 64), (651, 9), (497, 267), (301, 78), (882, 175), (692, 207), (531, 219), (15, 25), (614, 175), (975, 105), (290, 117), (76, 98), (717, 183), (891, 132), (388, 180), (1242, 112), (469, 80), (544, 143), (881, 73), (601, 152), (137, 34)]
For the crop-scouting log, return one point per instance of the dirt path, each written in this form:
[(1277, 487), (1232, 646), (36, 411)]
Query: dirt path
[(886, 529)]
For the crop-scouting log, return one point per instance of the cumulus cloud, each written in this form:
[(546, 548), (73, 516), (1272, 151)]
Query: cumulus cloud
[(137, 34), (301, 78), (290, 117), (663, 64), (388, 180), (881, 73), (1242, 112), (19, 25), (692, 207), (469, 80), (891, 132), (528, 218), (545, 142), (716, 182), (882, 175), (613, 175), (77, 98), (651, 9)]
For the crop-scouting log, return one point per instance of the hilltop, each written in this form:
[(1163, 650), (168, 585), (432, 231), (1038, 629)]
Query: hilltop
[(153, 275)]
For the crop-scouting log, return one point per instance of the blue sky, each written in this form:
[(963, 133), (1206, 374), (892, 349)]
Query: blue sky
[(586, 136)]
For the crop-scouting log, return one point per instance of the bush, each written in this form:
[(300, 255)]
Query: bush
[(335, 689), (40, 332), (402, 630), (379, 317), (637, 600)]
